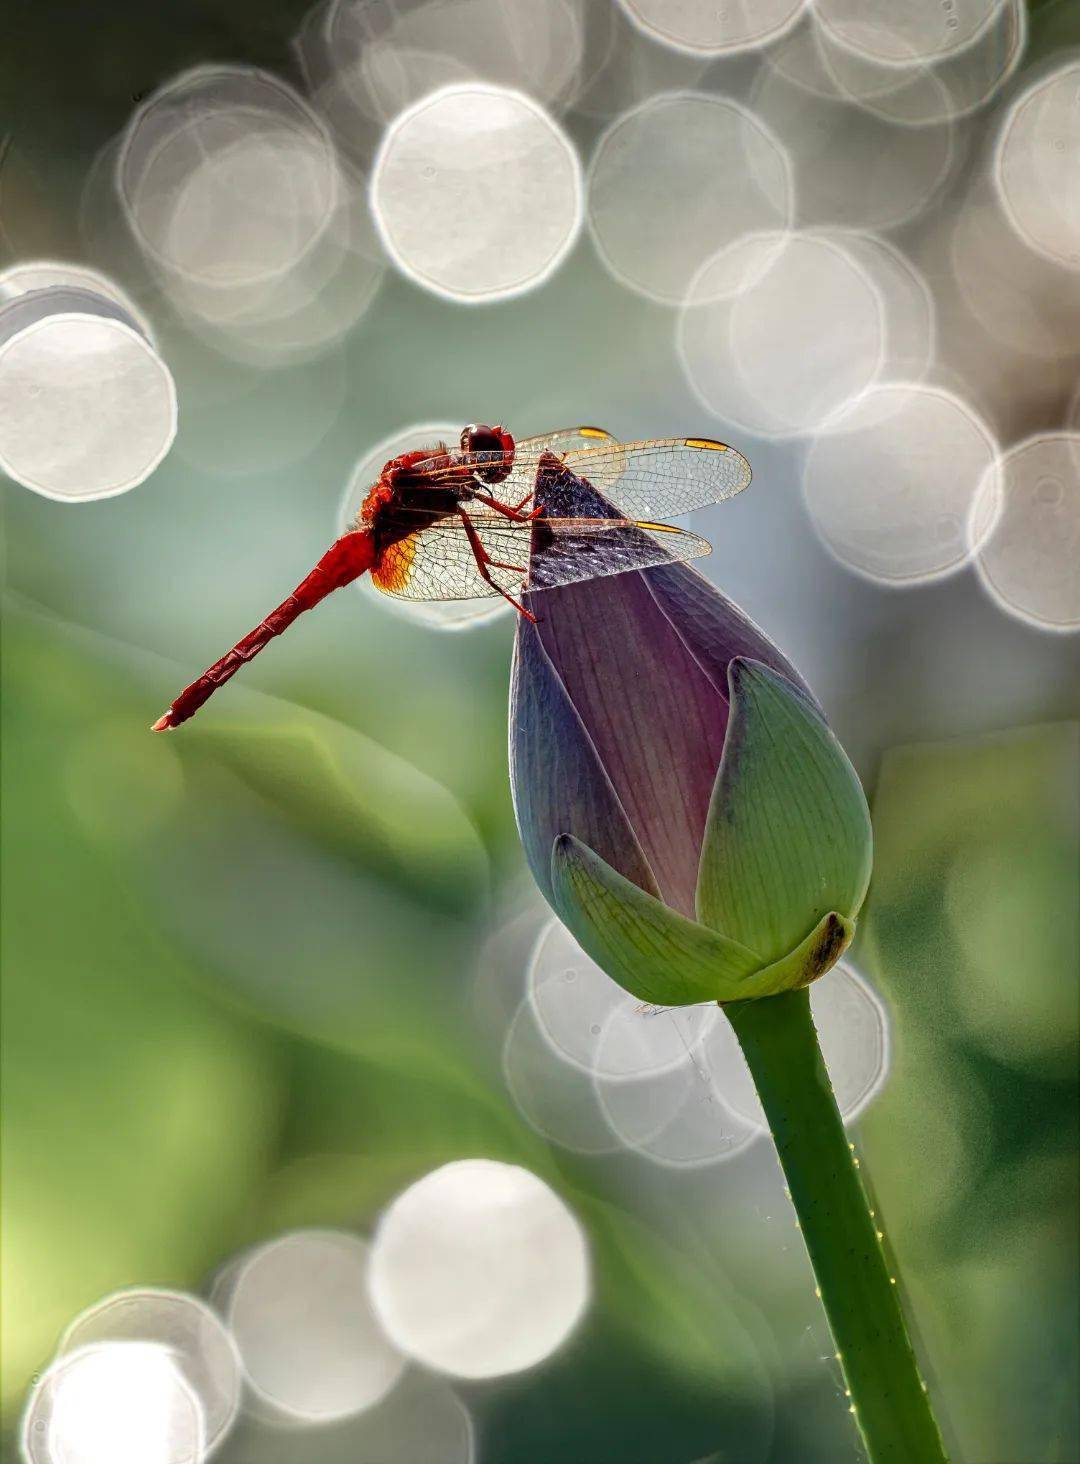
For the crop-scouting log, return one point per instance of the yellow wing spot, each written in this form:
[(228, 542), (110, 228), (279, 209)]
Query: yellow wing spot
[(594, 432), (708, 443), (656, 528), (394, 569)]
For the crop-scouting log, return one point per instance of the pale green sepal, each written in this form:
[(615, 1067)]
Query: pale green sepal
[(651, 951), (787, 838), (818, 953)]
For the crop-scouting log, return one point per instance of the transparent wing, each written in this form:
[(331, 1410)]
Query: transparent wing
[(438, 562), (563, 439), (661, 478)]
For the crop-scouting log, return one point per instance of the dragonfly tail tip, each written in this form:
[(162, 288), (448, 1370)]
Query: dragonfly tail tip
[(163, 723)]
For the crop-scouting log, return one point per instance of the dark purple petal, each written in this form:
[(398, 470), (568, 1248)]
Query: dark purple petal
[(713, 629), (656, 720), (557, 780)]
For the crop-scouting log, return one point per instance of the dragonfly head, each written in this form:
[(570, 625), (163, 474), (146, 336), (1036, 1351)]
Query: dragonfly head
[(478, 438)]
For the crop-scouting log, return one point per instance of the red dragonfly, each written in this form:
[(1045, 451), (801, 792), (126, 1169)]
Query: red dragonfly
[(495, 517)]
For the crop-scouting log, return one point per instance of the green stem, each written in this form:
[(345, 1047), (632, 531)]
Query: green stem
[(888, 1397)]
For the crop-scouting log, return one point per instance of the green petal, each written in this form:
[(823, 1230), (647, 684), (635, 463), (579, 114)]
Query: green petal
[(788, 839), (652, 952)]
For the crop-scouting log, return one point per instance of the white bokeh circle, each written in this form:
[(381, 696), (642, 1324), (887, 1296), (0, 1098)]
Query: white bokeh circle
[(479, 1269), (300, 313), (87, 407), (1037, 165), (555, 1097), (674, 180), (891, 34), (1029, 559), (228, 178), (596, 1071), (114, 1403), (387, 57), (1020, 297), (30, 275), (476, 192), (299, 1311), (450, 615), (780, 331), (852, 169), (910, 315), (920, 93), (593, 1024), (676, 1119), (853, 1031), (703, 27), (190, 1332), (891, 486)]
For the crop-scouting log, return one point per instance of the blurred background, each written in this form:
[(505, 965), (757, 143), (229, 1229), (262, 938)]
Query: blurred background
[(262, 976)]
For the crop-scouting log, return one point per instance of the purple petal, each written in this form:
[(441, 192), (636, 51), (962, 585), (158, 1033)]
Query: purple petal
[(656, 720), (556, 777), (714, 629)]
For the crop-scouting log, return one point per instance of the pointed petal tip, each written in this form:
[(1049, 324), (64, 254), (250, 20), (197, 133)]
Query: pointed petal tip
[(746, 675), (742, 669), (811, 958)]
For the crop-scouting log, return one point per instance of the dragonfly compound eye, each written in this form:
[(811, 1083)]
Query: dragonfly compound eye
[(494, 440)]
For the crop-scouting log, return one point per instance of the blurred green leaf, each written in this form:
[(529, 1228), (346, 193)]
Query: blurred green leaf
[(332, 782), (138, 1114), (674, 1300), (977, 871), (970, 930), (159, 889)]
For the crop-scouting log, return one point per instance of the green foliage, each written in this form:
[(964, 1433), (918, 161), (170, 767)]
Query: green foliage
[(971, 929), (228, 1015), (139, 1112)]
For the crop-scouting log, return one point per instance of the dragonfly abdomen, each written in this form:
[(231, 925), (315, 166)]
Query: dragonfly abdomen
[(346, 559)]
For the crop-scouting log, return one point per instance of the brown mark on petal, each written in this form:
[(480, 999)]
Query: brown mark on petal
[(831, 944)]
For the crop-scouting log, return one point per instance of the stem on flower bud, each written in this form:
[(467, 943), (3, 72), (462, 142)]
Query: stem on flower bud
[(888, 1397)]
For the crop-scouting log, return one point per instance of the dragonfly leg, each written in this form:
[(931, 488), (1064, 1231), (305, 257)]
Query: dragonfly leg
[(484, 564), (537, 511), (510, 513)]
